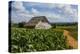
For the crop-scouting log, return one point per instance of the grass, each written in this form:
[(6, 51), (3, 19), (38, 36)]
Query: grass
[(73, 30)]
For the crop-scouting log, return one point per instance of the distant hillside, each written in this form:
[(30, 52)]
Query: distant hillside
[(66, 23)]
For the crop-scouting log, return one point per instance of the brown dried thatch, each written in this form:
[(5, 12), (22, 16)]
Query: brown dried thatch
[(35, 21)]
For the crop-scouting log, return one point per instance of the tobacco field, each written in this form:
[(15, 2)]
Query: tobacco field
[(31, 40)]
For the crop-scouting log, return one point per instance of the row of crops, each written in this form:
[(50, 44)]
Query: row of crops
[(30, 40)]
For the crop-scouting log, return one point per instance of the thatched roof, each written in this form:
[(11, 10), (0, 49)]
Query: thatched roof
[(35, 20)]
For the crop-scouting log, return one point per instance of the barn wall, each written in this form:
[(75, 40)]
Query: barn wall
[(43, 25)]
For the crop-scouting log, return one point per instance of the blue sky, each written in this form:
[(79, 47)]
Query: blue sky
[(24, 11)]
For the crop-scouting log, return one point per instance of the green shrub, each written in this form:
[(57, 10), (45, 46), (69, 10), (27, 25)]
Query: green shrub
[(27, 40)]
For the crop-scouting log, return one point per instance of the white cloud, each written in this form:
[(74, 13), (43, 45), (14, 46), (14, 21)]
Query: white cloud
[(68, 10), (35, 12), (27, 14), (20, 13), (49, 15), (19, 7), (71, 12), (49, 5)]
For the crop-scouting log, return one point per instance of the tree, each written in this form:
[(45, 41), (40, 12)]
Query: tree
[(21, 24)]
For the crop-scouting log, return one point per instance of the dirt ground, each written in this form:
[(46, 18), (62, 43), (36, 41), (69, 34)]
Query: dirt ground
[(70, 40)]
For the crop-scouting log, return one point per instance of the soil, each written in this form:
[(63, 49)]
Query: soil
[(71, 42)]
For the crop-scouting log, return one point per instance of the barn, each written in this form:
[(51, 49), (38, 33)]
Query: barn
[(38, 22)]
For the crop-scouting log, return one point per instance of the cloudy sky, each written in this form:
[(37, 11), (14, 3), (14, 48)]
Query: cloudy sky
[(24, 11)]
